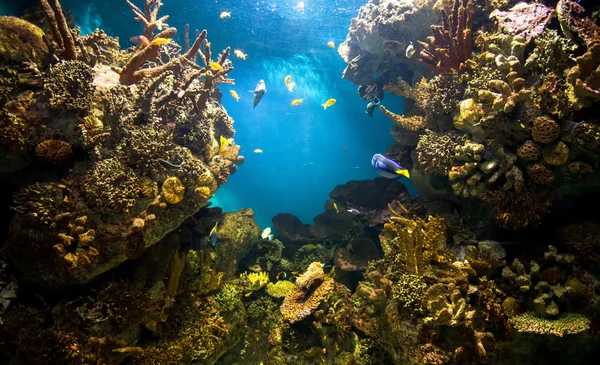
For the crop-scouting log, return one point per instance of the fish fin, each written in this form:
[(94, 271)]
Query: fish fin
[(403, 172), (324, 106)]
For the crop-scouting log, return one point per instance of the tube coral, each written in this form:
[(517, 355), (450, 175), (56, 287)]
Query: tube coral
[(450, 46)]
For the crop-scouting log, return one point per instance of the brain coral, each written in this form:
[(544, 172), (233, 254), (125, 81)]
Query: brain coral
[(173, 190)]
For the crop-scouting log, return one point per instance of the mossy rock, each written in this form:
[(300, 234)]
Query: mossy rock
[(21, 41)]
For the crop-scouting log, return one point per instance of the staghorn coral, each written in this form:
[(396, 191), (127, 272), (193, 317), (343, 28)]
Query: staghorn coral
[(149, 17), (566, 324), (311, 288), (54, 151), (412, 243), (69, 87), (450, 46), (513, 210)]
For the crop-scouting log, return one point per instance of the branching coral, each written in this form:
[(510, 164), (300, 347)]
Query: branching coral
[(149, 17), (59, 28), (311, 288), (567, 324), (412, 243), (447, 305), (69, 87), (585, 76), (517, 210), (110, 186), (41, 202), (436, 153), (412, 123), (450, 46), (585, 239)]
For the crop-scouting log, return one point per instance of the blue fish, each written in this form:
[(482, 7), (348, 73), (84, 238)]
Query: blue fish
[(213, 235), (390, 169)]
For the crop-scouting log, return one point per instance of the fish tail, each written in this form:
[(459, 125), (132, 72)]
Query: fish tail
[(324, 106)]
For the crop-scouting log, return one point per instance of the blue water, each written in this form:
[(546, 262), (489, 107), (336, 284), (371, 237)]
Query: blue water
[(304, 156)]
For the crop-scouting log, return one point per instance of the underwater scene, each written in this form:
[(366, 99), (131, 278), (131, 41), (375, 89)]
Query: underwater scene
[(257, 182)]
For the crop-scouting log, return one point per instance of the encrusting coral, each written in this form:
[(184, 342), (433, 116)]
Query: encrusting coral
[(311, 288)]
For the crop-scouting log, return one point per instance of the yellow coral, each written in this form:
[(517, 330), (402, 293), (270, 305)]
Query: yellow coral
[(173, 190), (203, 192), (279, 289), (412, 123), (470, 113), (257, 280), (311, 288), (413, 242), (148, 187)]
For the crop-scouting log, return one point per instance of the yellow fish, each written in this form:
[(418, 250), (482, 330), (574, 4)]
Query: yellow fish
[(214, 229), (288, 78), (297, 101), (248, 294), (240, 54), (215, 66), (328, 103), (235, 95), (258, 150), (291, 86), (160, 41), (335, 207), (224, 144), (331, 44), (225, 14)]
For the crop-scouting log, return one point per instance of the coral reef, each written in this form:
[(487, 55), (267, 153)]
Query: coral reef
[(119, 145), (311, 288)]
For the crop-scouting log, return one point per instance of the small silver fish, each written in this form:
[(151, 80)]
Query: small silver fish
[(410, 50), (353, 211)]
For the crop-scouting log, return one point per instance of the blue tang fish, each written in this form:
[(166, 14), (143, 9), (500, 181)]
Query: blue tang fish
[(390, 169), (213, 235)]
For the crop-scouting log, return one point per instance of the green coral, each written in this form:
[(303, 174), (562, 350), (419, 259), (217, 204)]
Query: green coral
[(145, 145), (228, 297), (8, 83), (21, 41), (40, 202), (263, 314), (280, 288), (408, 290), (566, 324), (69, 86), (111, 186)]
